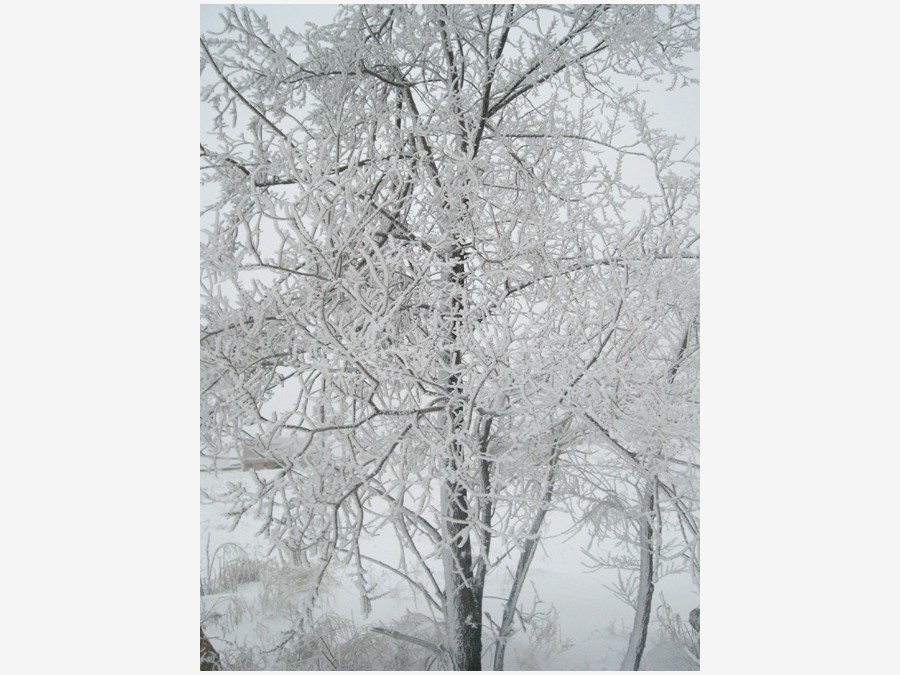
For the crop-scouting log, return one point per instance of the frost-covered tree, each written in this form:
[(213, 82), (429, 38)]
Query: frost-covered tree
[(642, 487), (449, 270)]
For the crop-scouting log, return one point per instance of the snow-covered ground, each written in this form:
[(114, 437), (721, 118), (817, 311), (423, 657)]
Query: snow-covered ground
[(247, 619)]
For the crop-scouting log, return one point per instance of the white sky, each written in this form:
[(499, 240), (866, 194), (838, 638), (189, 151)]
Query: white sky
[(294, 15)]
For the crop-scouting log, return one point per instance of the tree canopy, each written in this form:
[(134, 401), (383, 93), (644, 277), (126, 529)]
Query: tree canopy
[(450, 283)]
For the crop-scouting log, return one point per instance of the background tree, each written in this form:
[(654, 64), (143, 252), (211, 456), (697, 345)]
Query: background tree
[(448, 255)]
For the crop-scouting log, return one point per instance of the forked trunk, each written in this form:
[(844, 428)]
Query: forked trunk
[(509, 610)]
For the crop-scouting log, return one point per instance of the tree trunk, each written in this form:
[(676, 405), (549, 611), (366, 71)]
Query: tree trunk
[(462, 593), (509, 610), (635, 651), (462, 587)]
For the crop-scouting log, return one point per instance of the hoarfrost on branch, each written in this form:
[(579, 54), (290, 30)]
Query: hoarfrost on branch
[(451, 284)]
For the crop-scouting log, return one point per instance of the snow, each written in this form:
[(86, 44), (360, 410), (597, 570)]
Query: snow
[(588, 631)]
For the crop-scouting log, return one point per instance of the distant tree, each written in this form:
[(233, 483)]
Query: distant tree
[(650, 423), (448, 252)]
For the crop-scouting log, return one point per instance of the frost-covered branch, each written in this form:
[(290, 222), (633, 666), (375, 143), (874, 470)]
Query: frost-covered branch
[(438, 232)]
